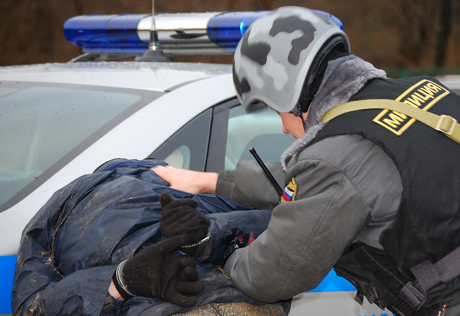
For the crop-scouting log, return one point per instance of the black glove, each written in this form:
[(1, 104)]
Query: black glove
[(155, 272), (180, 217)]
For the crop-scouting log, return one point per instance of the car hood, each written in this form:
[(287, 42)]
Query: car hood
[(137, 75)]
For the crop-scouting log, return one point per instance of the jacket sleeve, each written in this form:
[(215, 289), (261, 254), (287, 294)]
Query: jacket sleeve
[(231, 231), (248, 185), (38, 287), (336, 196)]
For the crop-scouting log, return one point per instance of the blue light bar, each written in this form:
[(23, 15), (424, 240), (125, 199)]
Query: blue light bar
[(227, 29), (106, 33), (330, 17), (182, 33)]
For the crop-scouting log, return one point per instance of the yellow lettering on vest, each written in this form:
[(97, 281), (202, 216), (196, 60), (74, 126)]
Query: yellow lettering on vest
[(423, 95), (416, 99), (427, 93), (403, 116), (433, 87), (394, 120)]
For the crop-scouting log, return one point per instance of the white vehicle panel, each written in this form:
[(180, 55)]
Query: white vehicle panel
[(135, 138), (134, 75), (334, 303)]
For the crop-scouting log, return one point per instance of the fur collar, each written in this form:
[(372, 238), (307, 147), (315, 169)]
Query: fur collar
[(343, 78)]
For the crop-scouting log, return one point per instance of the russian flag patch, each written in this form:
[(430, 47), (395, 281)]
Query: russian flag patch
[(289, 192)]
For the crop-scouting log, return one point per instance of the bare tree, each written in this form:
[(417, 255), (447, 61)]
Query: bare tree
[(445, 25), (390, 33)]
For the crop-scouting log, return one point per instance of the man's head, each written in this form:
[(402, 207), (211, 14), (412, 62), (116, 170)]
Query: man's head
[(282, 54)]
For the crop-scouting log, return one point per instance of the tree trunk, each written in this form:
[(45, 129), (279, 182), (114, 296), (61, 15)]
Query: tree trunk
[(445, 19)]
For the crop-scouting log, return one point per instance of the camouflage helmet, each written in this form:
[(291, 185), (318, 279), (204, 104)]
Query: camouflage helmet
[(278, 57)]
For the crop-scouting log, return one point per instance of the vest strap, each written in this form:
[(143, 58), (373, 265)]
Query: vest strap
[(409, 295), (431, 276), (428, 276), (443, 123)]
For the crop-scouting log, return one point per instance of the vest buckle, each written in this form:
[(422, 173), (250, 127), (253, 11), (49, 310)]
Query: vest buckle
[(443, 126)]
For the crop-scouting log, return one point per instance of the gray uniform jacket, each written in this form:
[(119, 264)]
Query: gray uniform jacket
[(347, 189)]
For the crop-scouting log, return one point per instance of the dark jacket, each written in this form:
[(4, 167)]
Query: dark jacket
[(71, 247)]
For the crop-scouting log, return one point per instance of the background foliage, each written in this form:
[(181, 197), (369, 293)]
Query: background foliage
[(391, 34)]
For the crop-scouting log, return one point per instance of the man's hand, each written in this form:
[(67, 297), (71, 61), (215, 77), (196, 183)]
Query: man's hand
[(155, 272), (180, 217), (188, 180)]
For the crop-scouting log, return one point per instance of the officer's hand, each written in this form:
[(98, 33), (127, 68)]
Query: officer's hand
[(180, 217), (188, 180), (155, 272)]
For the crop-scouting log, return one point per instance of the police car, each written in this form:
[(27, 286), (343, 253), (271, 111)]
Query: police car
[(60, 121)]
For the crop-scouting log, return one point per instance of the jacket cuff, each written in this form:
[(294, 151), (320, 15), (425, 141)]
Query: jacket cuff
[(225, 183)]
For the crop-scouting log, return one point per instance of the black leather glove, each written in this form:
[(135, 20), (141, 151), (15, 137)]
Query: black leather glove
[(155, 272), (180, 217)]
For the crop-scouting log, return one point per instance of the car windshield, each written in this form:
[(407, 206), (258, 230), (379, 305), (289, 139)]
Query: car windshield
[(40, 125)]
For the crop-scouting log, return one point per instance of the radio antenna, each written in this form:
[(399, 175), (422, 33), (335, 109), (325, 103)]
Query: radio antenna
[(260, 4), (153, 45), (154, 53)]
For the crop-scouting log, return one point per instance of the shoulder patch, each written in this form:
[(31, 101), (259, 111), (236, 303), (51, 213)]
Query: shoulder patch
[(289, 192)]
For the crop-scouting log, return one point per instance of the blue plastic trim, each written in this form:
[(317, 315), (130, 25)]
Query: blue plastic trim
[(227, 29), (105, 33), (333, 283), (330, 17), (7, 264), (118, 33)]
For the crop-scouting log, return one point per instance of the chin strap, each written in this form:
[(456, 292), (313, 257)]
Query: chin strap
[(298, 113), (303, 122)]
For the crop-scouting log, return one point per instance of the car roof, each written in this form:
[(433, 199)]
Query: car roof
[(151, 76)]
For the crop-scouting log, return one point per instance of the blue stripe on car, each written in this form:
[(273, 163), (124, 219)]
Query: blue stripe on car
[(6, 282), (334, 283), (331, 283)]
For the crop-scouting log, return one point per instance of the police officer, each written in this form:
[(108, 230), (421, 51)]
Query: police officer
[(372, 193)]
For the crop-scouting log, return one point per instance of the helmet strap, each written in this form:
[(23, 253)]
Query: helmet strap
[(297, 111), (303, 121)]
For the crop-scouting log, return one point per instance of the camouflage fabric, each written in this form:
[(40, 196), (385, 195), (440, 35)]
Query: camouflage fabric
[(277, 52)]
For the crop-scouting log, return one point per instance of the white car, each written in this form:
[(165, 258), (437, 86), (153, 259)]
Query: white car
[(60, 121)]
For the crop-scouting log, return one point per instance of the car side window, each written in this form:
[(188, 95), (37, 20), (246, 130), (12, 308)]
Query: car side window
[(188, 147), (261, 129), (235, 131)]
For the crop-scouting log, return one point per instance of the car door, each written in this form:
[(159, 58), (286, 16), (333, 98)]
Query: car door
[(221, 136), (235, 131)]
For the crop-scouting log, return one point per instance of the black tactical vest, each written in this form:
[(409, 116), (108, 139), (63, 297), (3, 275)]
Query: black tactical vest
[(427, 227)]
